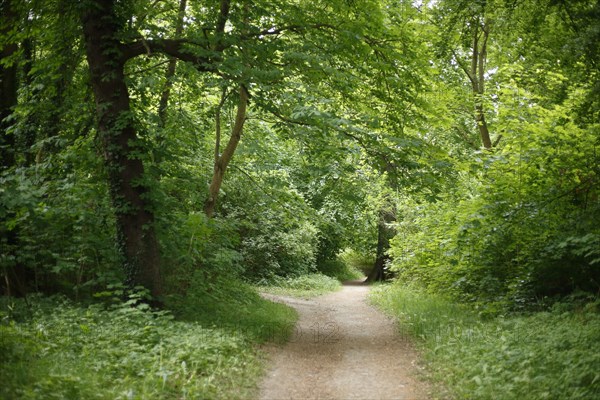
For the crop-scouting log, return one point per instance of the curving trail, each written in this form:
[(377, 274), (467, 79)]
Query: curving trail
[(342, 349)]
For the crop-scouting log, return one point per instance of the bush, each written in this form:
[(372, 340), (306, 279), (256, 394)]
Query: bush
[(270, 249), (516, 225)]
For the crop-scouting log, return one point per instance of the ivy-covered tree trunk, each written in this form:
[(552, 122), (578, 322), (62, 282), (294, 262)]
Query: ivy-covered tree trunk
[(136, 236)]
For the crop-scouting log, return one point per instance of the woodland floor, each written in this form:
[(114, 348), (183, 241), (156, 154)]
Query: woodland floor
[(342, 348)]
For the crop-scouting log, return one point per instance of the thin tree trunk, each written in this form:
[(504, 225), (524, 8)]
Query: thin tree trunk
[(166, 93), (136, 238), (222, 161), (477, 76), (218, 127)]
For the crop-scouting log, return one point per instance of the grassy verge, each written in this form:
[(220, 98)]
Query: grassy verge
[(546, 355), (55, 349), (305, 286), (236, 307)]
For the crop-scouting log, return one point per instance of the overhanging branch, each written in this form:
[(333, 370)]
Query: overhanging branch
[(170, 47)]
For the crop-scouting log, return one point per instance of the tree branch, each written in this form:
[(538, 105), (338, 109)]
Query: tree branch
[(223, 160), (497, 141), (171, 47), (288, 120), (278, 31), (220, 26), (462, 66), (475, 52)]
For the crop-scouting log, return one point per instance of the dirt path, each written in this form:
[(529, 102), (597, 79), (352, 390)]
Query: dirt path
[(342, 349)]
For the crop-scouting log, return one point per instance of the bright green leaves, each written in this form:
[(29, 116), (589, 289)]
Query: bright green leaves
[(523, 221), (507, 225)]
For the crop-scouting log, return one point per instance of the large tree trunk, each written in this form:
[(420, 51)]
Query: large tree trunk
[(384, 233), (222, 161), (136, 238)]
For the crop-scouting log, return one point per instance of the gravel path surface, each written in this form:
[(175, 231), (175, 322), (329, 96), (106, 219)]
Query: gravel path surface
[(343, 349)]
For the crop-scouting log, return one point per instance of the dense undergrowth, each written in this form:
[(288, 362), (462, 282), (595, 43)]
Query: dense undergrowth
[(53, 348), (203, 345), (546, 355), (304, 286)]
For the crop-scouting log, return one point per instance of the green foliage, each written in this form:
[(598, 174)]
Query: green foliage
[(509, 227), (62, 227), (521, 223), (548, 355), (357, 261), (55, 349), (197, 242), (353, 105), (269, 250), (302, 286), (340, 270)]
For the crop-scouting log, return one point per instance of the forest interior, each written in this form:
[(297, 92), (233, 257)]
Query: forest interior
[(185, 185)]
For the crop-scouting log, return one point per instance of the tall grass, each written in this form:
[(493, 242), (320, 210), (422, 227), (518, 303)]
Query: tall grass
[(546, 355)]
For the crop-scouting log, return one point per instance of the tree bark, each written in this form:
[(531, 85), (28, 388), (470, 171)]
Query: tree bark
[(479, 57), (476, 74), (222, 161), (136, 238), (384, 233)]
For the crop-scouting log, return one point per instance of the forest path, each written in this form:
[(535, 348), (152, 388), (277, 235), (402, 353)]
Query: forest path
[(343, 349)]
